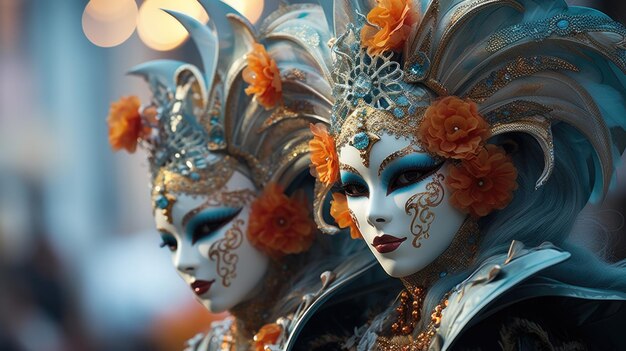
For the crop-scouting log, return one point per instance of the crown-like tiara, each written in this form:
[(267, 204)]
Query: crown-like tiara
[(375, 80)]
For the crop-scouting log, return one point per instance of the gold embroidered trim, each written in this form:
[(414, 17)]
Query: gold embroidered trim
[(518, 68), (378, 122), (210, 179)]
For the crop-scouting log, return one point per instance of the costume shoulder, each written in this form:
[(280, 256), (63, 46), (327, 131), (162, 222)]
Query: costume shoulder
[(352, 305), (218, 338), (510, 301), (327, 321)]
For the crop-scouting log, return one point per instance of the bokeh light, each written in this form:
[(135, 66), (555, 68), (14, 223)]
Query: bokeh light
[(159, 30), (109, 23), (252, 9)]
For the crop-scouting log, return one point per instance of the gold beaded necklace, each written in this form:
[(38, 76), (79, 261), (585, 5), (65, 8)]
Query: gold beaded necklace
[(459, 255)]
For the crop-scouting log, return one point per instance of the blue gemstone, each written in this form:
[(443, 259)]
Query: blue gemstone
[(562, 24), (361, 141), (417, 69), (421, 66), (491, 80), (217, 136), (194, 176), (398, 112), (161, 202), (362, 85)]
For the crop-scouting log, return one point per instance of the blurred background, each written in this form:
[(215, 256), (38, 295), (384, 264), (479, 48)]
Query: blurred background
[(80, 263)]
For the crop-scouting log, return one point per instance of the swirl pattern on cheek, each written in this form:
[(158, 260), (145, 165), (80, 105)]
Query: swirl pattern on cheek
[(421, 204), (221, 252)]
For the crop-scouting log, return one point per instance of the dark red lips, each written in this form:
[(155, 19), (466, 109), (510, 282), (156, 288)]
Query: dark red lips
[(387, 243), (201, 286)]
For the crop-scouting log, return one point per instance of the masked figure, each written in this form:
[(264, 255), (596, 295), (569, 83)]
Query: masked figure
[(228, 152), (460, 130)]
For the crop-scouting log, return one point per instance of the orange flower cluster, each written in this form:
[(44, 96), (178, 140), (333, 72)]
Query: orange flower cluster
[(323, 155), (484, 183), (263, 77), (453, 128), (125, 125), (341, 213), (267, 335), (392, 22), (280, 225), (486, 177)]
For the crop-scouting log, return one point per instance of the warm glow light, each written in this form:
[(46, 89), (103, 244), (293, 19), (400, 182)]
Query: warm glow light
[(252, 9), (109, 23), (159, 30)]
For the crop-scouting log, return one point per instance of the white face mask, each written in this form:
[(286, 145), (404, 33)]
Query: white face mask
[(210, 249), (400, 203)]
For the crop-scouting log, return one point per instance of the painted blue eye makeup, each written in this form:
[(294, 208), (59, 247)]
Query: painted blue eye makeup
[(408, 170), (353, 185), (167, 239), (207, 222)]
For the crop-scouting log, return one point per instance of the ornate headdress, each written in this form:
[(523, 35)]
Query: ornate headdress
[(498, 66), (247, 109)]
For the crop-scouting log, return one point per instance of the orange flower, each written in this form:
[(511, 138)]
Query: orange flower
[(341, 213), (323, 154), (453, 128), (484, 183), (267, 335), (279, 224), (393, 21), (263, 76), (125, 125)]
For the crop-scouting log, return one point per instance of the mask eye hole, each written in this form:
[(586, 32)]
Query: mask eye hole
[(353, 185), (354, 189), (411, 176), (169, 241), (208, 223)]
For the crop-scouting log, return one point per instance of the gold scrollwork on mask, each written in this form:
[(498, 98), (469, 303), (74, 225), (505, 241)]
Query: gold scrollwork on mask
[(421, 204), (348, 168), (221, 252)]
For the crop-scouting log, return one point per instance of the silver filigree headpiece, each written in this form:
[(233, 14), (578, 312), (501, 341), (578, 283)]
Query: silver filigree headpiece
[(204, 125), (360, 78)]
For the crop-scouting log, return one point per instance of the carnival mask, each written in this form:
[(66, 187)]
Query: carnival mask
[(399, 203), (210, 250)]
